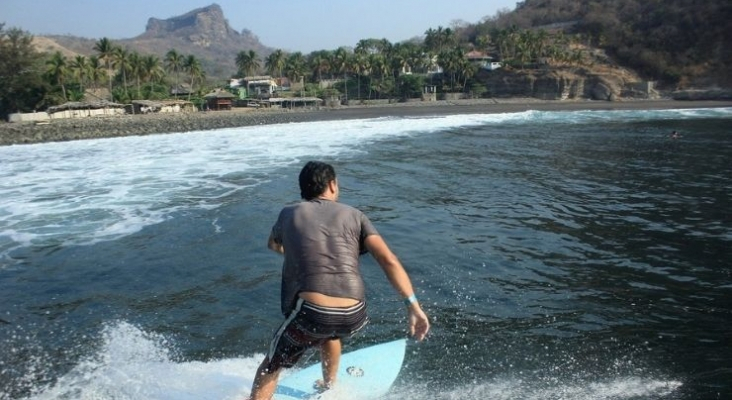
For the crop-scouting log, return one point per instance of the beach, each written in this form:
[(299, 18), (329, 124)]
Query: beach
[(130, 125)]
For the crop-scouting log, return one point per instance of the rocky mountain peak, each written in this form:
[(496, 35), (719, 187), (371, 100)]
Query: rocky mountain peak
[(201, 26), (203, 32)]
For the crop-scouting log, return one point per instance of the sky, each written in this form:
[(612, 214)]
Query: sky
[(291, 25)]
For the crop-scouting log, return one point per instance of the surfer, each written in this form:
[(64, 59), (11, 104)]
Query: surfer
[(322, 292)]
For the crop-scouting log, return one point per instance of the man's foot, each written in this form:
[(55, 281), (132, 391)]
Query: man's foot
[(321, 386)]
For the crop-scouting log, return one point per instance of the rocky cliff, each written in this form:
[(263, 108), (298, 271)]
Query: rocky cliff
[(204, 32), (566, 84), (201, 27)]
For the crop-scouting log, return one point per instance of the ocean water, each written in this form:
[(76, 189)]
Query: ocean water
[(560, 255)]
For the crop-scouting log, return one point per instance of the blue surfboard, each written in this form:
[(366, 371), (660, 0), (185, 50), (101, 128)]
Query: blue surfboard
[(363, 374)]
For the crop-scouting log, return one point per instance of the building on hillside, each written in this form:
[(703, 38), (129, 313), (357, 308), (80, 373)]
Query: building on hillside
[(219, 99), (434, 68), (482, 60)]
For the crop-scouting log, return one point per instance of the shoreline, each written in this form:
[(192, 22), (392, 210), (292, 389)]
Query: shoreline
[(137, 125)]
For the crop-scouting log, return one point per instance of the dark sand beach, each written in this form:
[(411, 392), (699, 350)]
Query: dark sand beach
[(128, 125)]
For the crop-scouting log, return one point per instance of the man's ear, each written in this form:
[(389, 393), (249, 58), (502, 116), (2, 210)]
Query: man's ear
[(333, 186)]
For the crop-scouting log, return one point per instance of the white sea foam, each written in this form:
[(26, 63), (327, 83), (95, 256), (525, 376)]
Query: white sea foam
[(87, 191), (631, 387), (133, 364)]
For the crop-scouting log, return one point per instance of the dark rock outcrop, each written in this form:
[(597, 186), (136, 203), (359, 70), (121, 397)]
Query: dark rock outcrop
[(565, 85), (202, 27)]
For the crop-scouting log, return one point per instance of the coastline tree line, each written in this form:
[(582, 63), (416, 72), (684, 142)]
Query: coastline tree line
[(127, 75), (373, 69), (377, 68)]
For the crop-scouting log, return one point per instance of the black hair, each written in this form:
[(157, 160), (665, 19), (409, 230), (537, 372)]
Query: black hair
[(314, 179)]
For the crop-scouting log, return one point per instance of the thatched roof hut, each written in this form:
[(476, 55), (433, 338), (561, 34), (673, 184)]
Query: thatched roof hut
[(219, 100), (78, 109)]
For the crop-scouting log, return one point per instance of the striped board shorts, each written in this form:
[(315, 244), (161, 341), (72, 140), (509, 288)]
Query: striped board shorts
[(310, 325)]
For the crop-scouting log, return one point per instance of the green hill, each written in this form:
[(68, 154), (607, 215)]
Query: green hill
[(680, 42)]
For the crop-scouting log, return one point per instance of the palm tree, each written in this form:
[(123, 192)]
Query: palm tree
[(439, 40), (360, 66), (542, 43), (275, 62), (122, 62), (152, 70), (378, 67), (362, 47), (105, 48), (398, 59), (369, 46), (319, 62), (295, 66), (467, 70), (57, 70), (247, 62), (174, 63), (508, 41), (340, 62), (80, 69), (137, 69), (452, 61), (193, 66), (95, 71)]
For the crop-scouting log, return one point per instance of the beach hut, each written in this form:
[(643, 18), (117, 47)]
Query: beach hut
[(294, 102), (76, 109), (219, 100), (161, 106)]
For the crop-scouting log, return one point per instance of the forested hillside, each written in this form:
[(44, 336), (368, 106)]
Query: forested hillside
[(684, 42)]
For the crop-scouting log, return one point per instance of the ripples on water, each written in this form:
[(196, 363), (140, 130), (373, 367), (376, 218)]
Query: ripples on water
[(561, 255)]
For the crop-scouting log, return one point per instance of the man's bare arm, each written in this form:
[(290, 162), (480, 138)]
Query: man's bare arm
[(419, 324)]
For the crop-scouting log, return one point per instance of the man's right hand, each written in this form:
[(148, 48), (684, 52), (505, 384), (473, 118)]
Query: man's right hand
[(419, 324)]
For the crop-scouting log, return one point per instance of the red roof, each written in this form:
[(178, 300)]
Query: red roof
[(475, 54)]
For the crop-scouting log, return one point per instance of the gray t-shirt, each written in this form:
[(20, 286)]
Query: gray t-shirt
[(323, 240)]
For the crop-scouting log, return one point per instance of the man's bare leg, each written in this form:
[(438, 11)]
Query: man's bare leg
[(265, 383), (330, 355)]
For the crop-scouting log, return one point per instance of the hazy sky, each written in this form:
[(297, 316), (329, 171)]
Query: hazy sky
[(293, 25)]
